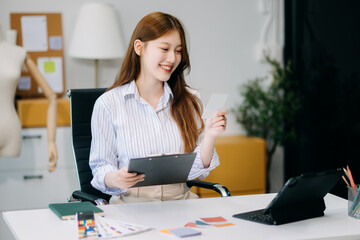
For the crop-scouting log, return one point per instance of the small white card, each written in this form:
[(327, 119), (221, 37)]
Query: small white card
[(216, 102), (55, 42), (24, 83)]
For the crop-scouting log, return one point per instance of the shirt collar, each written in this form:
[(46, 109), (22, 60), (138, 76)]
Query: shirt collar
[(130, 90), (167, 92)]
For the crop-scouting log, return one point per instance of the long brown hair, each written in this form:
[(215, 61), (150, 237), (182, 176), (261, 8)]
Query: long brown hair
[(186, 108)]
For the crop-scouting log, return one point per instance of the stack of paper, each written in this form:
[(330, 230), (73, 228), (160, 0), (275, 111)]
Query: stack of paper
[(181, 232), (109, 228)]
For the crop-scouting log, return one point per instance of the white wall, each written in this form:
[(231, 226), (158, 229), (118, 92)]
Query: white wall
[(222, 36)]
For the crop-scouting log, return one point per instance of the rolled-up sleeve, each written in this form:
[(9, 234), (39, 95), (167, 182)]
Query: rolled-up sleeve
[(198, 170), (103, 156)]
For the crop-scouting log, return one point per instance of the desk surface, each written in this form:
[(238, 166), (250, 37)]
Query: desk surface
[(44, 224)]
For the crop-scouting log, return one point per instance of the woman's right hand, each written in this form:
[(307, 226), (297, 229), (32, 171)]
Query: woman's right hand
[(122, 179)]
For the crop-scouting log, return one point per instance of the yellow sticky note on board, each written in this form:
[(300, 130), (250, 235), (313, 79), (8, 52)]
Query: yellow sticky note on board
[(49, 66)]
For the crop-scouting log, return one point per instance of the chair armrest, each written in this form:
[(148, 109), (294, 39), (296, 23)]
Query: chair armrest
[(83, 196), (224, 192)]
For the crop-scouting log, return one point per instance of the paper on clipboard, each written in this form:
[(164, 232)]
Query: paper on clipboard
[(216, 102)]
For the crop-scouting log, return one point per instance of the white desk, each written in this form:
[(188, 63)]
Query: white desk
[(44, 224)]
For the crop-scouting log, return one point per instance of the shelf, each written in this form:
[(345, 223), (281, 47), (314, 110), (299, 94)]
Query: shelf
[(33, 112)]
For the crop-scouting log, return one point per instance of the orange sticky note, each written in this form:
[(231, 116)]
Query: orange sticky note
[(214, 219), (166, 231), (223, 225)]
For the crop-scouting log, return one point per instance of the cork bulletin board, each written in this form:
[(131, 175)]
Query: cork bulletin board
[(41, 35)]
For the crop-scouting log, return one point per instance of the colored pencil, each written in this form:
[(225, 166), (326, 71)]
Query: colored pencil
[(351, 178), (346, 181), (346, 173)]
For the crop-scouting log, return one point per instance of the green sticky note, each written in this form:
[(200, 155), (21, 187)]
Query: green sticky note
[(49, 66)]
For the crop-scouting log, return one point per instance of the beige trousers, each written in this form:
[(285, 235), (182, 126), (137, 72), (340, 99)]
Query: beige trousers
[(157, 193)]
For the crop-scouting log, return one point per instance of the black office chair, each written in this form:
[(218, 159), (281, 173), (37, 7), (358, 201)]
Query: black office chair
[(81, 103)]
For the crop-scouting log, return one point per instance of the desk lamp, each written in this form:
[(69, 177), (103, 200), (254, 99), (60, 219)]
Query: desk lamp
[(96, 35)]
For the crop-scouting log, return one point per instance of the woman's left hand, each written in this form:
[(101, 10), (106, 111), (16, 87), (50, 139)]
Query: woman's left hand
[(216, 125), (53, 156)]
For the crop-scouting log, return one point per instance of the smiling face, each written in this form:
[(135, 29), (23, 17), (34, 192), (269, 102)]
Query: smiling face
[(160, 57)]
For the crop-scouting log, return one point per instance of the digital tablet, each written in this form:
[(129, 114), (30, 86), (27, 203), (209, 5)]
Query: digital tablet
[(306, 188), (300, 198), (163, 169)]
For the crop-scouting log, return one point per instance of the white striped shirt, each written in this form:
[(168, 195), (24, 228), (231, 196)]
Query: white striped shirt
[(125, 126)]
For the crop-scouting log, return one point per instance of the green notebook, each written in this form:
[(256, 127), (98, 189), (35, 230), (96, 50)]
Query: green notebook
[(68, 210)]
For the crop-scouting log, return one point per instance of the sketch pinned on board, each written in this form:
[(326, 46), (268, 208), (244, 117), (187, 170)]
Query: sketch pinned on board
[(52, 70), (34, 33)]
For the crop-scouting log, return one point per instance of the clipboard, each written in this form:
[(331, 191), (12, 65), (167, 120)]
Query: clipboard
[(163, 169)]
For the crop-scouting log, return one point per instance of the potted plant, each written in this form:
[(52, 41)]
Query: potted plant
[(269, 112)]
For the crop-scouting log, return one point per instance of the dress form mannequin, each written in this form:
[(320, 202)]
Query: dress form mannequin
[(12, 58)]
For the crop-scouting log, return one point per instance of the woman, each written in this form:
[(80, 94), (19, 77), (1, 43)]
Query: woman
[(150, 110)]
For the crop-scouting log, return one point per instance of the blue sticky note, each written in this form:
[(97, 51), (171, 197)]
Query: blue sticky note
[(184, 232), (201, 223)]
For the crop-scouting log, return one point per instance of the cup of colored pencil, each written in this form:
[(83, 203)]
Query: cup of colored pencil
[(354, 202), (353, 194)]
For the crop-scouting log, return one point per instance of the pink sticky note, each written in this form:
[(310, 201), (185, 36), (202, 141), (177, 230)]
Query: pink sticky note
[(190, 224)]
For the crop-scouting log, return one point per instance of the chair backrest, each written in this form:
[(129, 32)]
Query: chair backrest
[(81, 104)]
